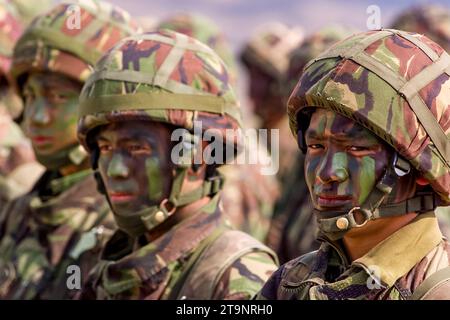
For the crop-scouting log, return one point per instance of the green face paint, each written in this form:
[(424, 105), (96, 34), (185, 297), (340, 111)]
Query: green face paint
[(50, 114), (156, 187), (343, 161), (366, 178), (134, 164)]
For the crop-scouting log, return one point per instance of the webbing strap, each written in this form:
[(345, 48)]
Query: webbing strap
[(166, 40), (427, 75), (430, 283), (419, 43), (409, 89), (152, 100), (171, 61)]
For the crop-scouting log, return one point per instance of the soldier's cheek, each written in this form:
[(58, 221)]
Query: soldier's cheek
[(311, 171), (363, 173)]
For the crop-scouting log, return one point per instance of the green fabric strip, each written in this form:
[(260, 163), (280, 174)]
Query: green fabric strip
[(57, 40), (419, 43), (171, 61), (157, 101)]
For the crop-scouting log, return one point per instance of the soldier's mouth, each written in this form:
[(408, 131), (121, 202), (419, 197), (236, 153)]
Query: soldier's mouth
[(324, 200), (41, 140), (120, 197)]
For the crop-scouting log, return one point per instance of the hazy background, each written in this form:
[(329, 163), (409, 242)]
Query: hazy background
[(239, 18)]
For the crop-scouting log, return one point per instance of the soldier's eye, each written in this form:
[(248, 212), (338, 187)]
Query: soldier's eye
[(315, 146), (58, 97), (105, 148), (358, 148), (139, 148)]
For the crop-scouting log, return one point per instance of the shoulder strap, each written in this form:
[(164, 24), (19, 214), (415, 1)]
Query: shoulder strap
[(214, 260), (430, 283)]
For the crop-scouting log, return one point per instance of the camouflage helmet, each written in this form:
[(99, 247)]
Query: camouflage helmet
[(395, 84), (432, 20), (166, 77), (58, 41), (310, 48), (271, 47), (10, 30), (205, 30)]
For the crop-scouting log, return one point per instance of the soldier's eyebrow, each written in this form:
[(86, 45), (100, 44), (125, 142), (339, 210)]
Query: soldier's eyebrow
[(312, 134), (100, 137)]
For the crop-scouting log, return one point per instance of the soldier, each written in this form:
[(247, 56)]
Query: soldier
[(173, 241), (432, 20), (293, 229), (266, 57), (28, 10), (248, 197), (372, 114), (63, 220), (18, 168)]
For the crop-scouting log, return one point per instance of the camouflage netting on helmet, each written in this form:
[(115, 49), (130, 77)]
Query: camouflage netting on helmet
[(310, 48), (10, 31), (60, 42), (205, 30), (270, 48), (395, 84), (163, 76), (432, 21)]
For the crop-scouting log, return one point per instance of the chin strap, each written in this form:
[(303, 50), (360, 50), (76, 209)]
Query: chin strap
[(335, 224), (148, 218)]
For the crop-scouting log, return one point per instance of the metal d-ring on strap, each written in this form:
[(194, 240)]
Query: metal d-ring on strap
[(370, 208)]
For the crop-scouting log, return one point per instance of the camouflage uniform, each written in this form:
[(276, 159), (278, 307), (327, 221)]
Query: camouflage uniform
[(293, 230), (248, 196), (18, 169), (170, 78), (63, 220), (385, 81)]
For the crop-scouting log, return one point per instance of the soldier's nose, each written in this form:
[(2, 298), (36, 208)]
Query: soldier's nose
[(333, 168), (117, 168), (40, 113)]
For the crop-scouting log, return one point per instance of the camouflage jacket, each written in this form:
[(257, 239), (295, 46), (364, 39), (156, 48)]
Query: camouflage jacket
[(164, 268), (63, 221), (392, 270)]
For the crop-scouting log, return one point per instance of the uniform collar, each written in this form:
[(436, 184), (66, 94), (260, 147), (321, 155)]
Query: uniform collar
[(399, 253)]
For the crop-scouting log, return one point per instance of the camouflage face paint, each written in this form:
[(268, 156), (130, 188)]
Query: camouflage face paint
[(134, 164), (50, 117), (343, 161)]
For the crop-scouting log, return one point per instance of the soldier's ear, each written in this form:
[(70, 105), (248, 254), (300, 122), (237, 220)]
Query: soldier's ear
[(421, 181)]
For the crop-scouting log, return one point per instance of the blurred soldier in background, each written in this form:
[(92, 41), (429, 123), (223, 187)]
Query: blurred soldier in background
[(293, 230), (248, 196), (63, 221), (18, 168), (372, 115), (266, 57), (173, 242), (28, 10), (432, 20)]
